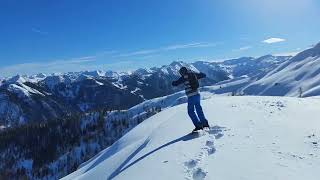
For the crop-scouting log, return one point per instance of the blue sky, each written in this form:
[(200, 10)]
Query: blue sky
[(75, 35)]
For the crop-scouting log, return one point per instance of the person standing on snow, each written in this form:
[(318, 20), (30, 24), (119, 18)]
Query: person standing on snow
[(191, 83)]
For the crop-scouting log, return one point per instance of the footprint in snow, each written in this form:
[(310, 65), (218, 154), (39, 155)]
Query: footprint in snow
[(195, 173), (198, 174), (216, 130), (210, 143), (211, 151), (193, 166), (218, 136), (210, 147), (191, 163)]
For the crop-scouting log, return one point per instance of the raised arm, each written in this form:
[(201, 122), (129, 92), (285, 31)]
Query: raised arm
[(178, 82), (201, 75)]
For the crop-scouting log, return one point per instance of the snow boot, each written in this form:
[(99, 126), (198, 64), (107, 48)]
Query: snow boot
[(206, 125), (197, 129)]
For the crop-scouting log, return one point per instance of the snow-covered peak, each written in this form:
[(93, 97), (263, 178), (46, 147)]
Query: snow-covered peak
[(265, 57), (83, 76), (177, 64), (142, 71), (53, 80), (317, 46), (97, 73), (272, 59), (202, 63), (22, 90), (112, 74), (298, 76), (40, 75), (174, 67), (71, 77), (19, 91), (125, 73), (203, 66), (312, 52), (36, 78), (17, 79), (238, 61)]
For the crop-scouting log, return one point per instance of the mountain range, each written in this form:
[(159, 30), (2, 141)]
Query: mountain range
[(43, 97)]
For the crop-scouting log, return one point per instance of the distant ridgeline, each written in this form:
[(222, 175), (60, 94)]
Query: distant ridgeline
[(39, 98)]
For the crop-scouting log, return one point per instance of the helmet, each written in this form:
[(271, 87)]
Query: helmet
[(183, 71)]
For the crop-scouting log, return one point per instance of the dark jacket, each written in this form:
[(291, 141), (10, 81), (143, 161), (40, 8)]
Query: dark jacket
[(184, 79)]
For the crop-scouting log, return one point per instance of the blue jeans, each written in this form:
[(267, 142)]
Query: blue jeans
[(194, 103)]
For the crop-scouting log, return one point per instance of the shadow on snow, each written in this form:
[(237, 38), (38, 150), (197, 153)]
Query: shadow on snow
[(122, 167)]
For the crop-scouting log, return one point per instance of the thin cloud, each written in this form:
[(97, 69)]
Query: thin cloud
[(191, 45), (273, 40), (167, 48), (83, 59), (61, 65), (35, 30), (244, 48), (75, 64), (140, 52)]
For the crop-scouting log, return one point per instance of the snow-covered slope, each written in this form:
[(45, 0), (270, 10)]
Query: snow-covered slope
[(252, 138), (299, 76)]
